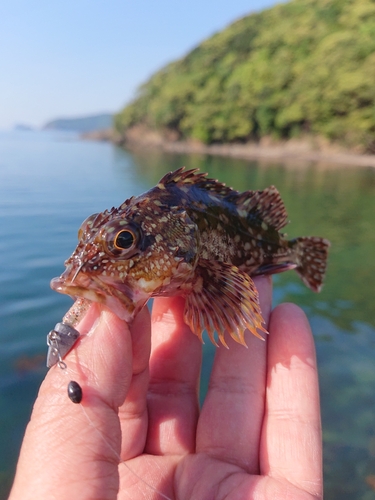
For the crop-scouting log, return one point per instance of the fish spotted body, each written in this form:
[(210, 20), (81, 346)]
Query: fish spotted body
[(195, 237)]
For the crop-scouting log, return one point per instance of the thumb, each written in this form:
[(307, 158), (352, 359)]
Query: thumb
[(70, 450)]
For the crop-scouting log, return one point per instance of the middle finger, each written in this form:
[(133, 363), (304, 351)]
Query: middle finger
[(231, 418), (174, 380)]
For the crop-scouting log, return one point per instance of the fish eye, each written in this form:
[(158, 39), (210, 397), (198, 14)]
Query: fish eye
[(120, 238), (124, 239)]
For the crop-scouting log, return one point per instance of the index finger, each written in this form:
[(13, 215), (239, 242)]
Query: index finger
[(77, 447)]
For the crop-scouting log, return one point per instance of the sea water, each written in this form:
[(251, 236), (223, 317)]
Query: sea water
[(50, 182)]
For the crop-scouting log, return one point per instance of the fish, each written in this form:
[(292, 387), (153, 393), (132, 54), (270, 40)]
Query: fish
[(195, 237)]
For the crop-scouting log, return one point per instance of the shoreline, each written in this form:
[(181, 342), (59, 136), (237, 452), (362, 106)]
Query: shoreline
[(294, 150)]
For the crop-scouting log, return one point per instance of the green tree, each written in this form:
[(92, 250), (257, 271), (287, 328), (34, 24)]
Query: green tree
[(308, 65)]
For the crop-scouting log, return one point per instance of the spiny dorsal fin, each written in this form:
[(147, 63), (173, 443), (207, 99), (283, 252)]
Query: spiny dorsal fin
[(179, 176), (192, 177), (265, 205)]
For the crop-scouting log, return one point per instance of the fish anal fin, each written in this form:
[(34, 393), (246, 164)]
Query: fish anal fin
[(223, 299), (311, 256)]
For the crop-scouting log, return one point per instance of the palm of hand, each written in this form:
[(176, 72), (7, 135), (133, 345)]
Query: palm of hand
[(238, 445), (256, 436)]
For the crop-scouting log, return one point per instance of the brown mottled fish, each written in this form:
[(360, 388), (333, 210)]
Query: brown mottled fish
[(195, 237)]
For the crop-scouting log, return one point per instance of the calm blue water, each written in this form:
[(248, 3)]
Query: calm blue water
[(50, 183)]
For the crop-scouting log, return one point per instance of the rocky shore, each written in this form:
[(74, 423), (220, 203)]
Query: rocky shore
[(309, 149)]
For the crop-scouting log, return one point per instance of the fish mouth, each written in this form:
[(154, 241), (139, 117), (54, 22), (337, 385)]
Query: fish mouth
[(95, 291)]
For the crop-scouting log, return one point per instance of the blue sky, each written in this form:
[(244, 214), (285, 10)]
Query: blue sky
[(77, 57)]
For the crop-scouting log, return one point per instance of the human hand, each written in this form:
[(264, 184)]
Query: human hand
[(257, 435)]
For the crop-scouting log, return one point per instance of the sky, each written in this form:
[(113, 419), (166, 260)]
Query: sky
[(71, 58)]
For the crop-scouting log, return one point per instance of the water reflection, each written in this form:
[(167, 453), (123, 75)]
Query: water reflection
[(339, 204), (48, 187), (335, 203)]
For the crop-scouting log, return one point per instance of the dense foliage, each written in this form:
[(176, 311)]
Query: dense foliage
[(307, 66)]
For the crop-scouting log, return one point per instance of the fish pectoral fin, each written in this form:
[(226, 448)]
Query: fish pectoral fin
[(223, 299)]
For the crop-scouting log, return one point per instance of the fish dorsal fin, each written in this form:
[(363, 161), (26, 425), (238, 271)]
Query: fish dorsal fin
[(192, 177), (224, 299), (181, 176), (265, 205)]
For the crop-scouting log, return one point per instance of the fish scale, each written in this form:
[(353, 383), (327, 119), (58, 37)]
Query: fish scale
[(195, 237)]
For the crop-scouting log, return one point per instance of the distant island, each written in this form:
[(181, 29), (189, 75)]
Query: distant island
[(300, 71), (23, 127), (85, 124)]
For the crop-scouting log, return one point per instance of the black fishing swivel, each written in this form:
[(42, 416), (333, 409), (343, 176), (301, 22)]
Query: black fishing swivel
[(60, 340)]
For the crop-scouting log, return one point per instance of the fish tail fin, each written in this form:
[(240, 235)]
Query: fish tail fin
[(311, 260)]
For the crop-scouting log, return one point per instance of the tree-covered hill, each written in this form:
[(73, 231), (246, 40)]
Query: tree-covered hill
[(307, 66)]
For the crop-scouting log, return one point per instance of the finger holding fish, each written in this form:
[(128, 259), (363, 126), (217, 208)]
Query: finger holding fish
[(232, 413)]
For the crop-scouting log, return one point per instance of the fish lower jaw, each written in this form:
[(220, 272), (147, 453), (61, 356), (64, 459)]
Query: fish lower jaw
[(113, 303)]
